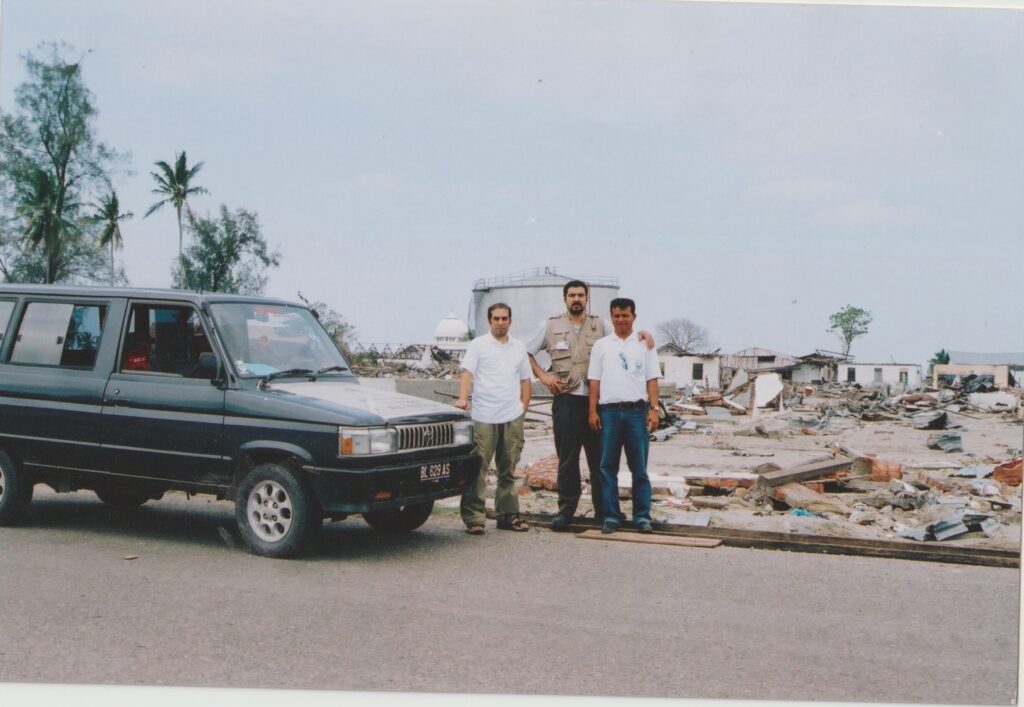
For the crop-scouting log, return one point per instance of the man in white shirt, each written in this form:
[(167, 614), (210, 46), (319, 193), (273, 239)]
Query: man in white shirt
[(496, 368), (623, 377)]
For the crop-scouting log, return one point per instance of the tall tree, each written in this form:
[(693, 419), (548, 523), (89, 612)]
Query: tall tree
[(108, 215), (175, 184), (687, 335), (228, 254), (50, 160), (849, 323)]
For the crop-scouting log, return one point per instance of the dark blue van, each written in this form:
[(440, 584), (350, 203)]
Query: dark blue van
[(131, 393)]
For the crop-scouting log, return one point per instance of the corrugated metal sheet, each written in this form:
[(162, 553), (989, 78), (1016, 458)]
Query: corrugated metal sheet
[(986, 359)]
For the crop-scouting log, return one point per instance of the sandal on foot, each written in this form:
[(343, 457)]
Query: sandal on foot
[(513, 522), (476, 529)]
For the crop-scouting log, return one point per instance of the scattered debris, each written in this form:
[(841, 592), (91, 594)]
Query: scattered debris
[(947, 443), (831, 468), (1008, 473), (799, 496), (934, 420)]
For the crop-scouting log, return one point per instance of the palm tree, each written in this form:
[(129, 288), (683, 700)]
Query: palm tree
[(108, 213), (36, 204), (175, 186)]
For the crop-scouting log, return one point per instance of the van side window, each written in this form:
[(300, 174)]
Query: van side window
[(59, 334), (163, 339), (6, 307)]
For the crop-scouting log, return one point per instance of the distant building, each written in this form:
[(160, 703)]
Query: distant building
[(680, 368), (818, 367), (907, 375), (451, 330), (758, 359), (1007, 369)]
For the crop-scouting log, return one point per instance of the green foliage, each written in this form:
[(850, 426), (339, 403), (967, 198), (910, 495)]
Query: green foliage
[(227, 254), (849, 323), (108, 216), (175, 185), (940, 357), (50, 162)]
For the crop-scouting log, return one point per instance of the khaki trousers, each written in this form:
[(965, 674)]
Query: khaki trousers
[(504, 443)]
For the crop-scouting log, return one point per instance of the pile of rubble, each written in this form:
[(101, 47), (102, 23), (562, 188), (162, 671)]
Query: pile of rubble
[(839, 490), (413, 362)]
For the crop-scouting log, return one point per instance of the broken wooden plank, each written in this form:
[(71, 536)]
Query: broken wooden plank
[(799, 496), (828, 544), (652, 539), (803, 472)]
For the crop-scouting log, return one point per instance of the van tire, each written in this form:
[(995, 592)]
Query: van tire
[(404, 519), (276, 514), (15, 491), (122, 500)]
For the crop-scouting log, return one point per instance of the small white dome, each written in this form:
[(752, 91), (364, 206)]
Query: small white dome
[(451, 328)]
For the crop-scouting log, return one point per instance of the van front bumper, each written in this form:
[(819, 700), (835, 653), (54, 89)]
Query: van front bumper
[(377, 488)]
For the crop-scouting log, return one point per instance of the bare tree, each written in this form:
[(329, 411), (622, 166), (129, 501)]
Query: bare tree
[(687, 335)]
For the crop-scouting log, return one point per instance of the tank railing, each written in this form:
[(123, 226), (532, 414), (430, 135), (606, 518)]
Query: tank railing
[(547, 270)]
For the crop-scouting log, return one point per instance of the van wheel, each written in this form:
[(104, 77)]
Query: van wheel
[(15, 491), (275, 512), (122, 499), (400, 520)]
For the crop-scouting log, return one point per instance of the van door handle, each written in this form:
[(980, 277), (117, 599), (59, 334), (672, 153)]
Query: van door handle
[(115, 397)]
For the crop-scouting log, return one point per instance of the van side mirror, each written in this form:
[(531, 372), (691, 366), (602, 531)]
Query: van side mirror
[(209, 367)]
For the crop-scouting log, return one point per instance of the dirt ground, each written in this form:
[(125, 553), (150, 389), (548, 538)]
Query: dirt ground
[(725, 446)]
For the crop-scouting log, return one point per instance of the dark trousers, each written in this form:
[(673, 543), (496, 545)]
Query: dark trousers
[(569, 418)]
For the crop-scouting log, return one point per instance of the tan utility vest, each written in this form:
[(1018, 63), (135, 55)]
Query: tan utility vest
[(569, 351)]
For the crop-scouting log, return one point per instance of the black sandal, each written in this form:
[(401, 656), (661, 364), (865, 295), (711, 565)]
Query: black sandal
[(513, 522), (475, 529)]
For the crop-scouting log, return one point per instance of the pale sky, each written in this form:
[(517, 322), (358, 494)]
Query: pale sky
[(751, 167)]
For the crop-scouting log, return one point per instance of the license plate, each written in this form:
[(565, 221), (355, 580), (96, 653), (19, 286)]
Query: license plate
[(435, 472)]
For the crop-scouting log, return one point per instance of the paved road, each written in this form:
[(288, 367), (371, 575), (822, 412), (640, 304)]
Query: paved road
[(533, 613)]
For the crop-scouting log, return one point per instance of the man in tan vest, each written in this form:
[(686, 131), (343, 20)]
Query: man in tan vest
[(568, 338)]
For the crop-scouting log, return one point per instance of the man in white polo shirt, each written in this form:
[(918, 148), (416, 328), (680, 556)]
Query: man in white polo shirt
[(623, 378), (496, 368)]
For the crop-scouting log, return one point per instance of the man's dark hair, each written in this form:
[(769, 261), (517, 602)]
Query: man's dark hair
[(623, 303), (574, 283), (498, 305)]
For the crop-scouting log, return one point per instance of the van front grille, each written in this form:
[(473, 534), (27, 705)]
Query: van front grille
[(437, 434)]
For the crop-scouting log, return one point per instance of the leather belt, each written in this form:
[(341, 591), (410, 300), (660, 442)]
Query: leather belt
[(625, 406)]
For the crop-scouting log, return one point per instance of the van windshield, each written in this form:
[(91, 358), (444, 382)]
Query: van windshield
[(263, 339)]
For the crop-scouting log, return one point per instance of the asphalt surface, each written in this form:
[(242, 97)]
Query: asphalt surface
[(534, 613)]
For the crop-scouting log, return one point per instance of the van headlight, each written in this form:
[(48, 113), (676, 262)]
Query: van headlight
[(355, 441), (464, 432)]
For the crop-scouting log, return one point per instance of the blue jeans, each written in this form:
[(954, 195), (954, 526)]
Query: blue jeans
[(625, 427)]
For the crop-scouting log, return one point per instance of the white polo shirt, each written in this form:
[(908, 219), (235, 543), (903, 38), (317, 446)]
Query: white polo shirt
[(497, 370), (623, 366)]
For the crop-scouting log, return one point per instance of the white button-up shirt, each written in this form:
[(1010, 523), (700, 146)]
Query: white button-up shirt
[(498, 369), (623, 366)]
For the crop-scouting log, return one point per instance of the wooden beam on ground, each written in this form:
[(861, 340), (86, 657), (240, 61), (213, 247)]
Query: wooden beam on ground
[(651, 539), (943, 551), (803, 472)]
